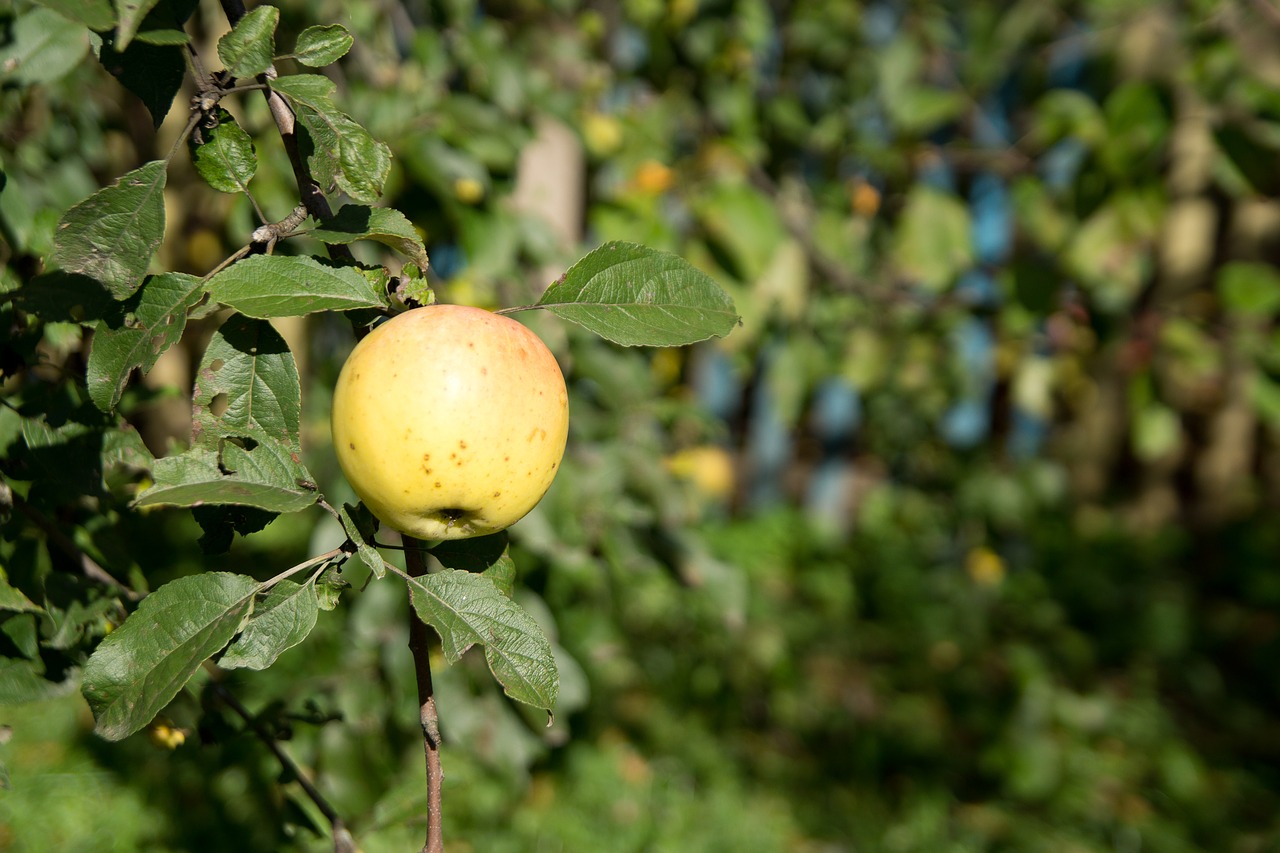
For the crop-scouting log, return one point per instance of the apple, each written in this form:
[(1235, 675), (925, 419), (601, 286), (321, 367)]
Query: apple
[(450, 422)]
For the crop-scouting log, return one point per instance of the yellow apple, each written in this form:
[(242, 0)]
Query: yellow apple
[(450, 422)]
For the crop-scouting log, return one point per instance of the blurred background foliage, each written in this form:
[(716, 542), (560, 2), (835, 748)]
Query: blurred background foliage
[(965, 540)]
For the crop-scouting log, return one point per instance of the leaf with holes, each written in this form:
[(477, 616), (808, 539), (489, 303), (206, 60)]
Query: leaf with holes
[(113, 234), (140, 666), (466, 609), (247, 386), (266, 286), (154, 323), (637, 296)]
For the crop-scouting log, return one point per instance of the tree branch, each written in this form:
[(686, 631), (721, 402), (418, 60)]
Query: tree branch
[(309, 191), (342, 840), (428, 716)]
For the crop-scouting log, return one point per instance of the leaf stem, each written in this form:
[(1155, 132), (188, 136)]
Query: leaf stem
[(314, 561), (182, 137), (428, 715)]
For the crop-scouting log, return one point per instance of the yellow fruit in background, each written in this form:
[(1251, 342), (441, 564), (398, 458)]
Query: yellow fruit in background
[(709, 468), (450, 422)]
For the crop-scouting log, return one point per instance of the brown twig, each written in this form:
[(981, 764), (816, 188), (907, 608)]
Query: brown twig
[(311, 193), (420, 645), (342, 840)]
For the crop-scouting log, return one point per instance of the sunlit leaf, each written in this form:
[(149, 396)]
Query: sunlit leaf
[(322, 45), (248, 50), (224, 155), (637, 296), (468, 609), (385, 225), (280, 621), (113, 234), (266, 286), (140, 666)]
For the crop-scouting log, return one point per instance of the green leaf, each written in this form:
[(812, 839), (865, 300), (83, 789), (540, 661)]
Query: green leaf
[(383, 224), (152, 72), (466, 609), (472, 555), (338, 150), (64, 297), (44, 46), (113, 234), (1251, 289), (933, 243), (12, 599), (224, 155), (162, 37), (94, 14), (197, 477), (139, 667), (130, 14), (247, 50), (637, 296), (23, 681), (324, 45), (153, 325), (358, 523), (283, 619), (246, 410), (266, 286)]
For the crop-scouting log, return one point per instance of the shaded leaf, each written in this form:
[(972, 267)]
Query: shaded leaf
[(12, 599), (338, 150), (1252, 289), (139, 667), (322, 45), (385, 225), (466, 609), (154, 324), (637, 296), (152, 72), (225, 156), (281, 621), (65, 297), (113, 234), (248, 49), (291, 285), (43, 47), (94, 14), (472, 555), (23, 681), (359, 526)]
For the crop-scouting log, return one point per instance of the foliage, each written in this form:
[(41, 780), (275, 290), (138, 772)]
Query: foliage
[(963, 540)]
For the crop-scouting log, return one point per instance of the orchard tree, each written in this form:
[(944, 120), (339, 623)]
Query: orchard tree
[(449, 421)]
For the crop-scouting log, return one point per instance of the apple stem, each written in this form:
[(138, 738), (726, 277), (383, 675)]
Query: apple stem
[(420, 645)]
